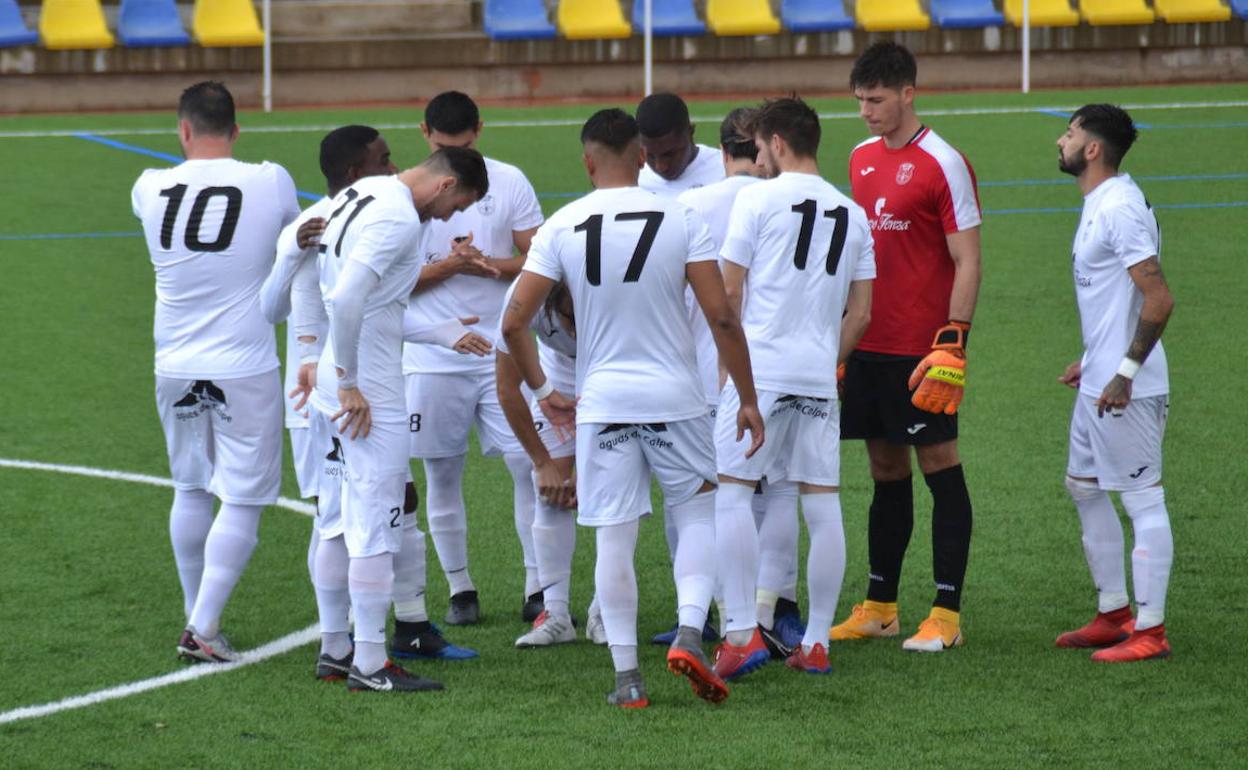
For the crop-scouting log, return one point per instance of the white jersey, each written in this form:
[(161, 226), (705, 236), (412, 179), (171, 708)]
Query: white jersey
[(622, 252), (511, 205), (707, 167), (1117, 230), (375, 223), (211, 226), (713, 203), (803, 243), (556, 348)]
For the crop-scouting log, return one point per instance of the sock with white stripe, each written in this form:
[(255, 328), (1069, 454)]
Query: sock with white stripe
[(554, 539), (524, 503), (448, 519), (1102, 543), (694, 567), (371, 583), (825, 565), (736, 553), (190, 520), (409, 574), (333, 601), (226, 553), (1153, 553), (616, 582)]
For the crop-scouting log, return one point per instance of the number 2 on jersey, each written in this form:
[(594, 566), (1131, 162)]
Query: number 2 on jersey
[(359, 206), (840, 215), (229, 222), (592, 228)]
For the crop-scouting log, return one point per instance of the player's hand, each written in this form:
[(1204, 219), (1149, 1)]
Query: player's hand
[(309, 233), (1115, 397), (560, 411), (940, 378), (840, 381), (1073, 375), (305, 384), (355, 411), (469, 260), (554, 487), (473, 343), (749, 418)]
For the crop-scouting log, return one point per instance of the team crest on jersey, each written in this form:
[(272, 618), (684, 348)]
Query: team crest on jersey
[(486, 205), (905, 172)]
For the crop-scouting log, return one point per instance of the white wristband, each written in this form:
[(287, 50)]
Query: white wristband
[(1129, 368), (544, 391)]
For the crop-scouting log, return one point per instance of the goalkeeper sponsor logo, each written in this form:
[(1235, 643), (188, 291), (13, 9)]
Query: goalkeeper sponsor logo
[(947, 374)]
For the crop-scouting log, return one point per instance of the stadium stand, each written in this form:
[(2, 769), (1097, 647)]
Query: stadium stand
[(1044, 13), (668, 17), (517, 20), (1191, 11), (150, 23), (73, 24), (592, 19), (1104, 13), (226, 23), (13, 30), (728, 18), (891, 15), (955, 14), (814, 16)]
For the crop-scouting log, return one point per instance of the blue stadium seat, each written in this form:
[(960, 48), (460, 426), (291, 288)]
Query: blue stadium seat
[(13, 30), (668, 17), (814, 16), (966, 13), (150, 23), (1240, 8), (517, 20)]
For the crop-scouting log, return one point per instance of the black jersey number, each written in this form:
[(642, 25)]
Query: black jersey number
[(592, 228), (839, 215), (229, 223), (352, 195)]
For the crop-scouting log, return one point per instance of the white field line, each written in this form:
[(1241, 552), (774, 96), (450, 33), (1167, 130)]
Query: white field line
[(558, 122), (263, 652)]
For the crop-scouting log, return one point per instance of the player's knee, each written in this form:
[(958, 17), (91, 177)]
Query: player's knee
[(1146, 507), (935, 458), (1082, 489)]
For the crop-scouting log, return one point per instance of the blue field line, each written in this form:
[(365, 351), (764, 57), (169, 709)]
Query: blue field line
[(65, 236)]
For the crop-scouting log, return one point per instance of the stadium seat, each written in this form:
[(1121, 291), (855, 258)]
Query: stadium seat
[(1044, 13), (73, 24), (592, 19), (517, 20), (668, 17), (891, 15), (741, 17), (150, 22), (965, 13), (1191, 11), (13, 30), (814, 16), (225, 23), (1100, 13)]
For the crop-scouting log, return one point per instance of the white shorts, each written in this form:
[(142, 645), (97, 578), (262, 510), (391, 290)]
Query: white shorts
[(1121, 452), (224, 436), (555, 447), (374, 472), (443, 408), (803, 439), (307, 460), (325, 445), (614, 463)]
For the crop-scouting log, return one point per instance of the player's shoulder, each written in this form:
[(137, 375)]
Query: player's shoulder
[(503, 173), (948, 157), (866, 146)]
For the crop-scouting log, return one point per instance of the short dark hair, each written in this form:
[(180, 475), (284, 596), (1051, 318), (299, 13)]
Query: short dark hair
[(793, 120), (452, 112), (1112, 125), (209, 107), (734, 134), (343, 149), (886, 64), (467, 166), (613, 128), (661, 114)]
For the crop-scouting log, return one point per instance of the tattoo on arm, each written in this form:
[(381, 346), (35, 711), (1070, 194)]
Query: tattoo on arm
[(1146, 335), (513, 306)]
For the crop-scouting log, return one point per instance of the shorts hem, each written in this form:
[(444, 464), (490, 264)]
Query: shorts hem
[(624, 519)]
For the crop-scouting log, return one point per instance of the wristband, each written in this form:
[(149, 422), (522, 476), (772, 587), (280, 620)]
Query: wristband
[(309, 352), (544, 391), (1129, 368)]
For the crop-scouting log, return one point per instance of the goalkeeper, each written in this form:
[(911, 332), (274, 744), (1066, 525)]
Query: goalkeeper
[(904, 382)]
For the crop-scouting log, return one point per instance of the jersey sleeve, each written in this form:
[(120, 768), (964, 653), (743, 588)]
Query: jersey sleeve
[(544, 253), (1132, 232), (957, 200), (287, 196), (864, 264), (139, 193), (701, 244), (742, 232), (526, 210)]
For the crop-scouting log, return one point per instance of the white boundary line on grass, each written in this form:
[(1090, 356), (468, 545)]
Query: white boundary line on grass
[(559, 122), (276, 647)]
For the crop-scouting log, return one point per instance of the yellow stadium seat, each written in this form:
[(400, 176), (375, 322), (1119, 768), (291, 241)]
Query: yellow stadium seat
[(592, 19), (1109, 12), (891, 15), (1044, 13), (741, 17), (1191, 11), (73, 24), (226, 23)]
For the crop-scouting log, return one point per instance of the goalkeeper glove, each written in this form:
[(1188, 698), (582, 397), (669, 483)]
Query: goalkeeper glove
[(939, 379)]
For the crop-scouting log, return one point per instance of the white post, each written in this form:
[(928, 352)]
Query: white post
[(268, 55), (649, 55), (1026, 46)]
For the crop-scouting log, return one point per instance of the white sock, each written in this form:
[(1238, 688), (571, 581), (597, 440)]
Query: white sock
[(765, 607), (616, 583), (1102, 543), (524, 502), (371, 582), (448, 520), (777, 541), (736, 553), (190, 520), (1153, 553), (313, 543), (226, 553), (333, 602), (670, 532), (624, 657), (409, 574), (825, 564), (694, 567), (554, 539)]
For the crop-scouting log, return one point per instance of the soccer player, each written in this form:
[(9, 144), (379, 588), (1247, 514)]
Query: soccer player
[(1123, 389), (904, 381), (674, 162), (469, 264), (211, 224), (626, 256), (368, 263), (803, 252)]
